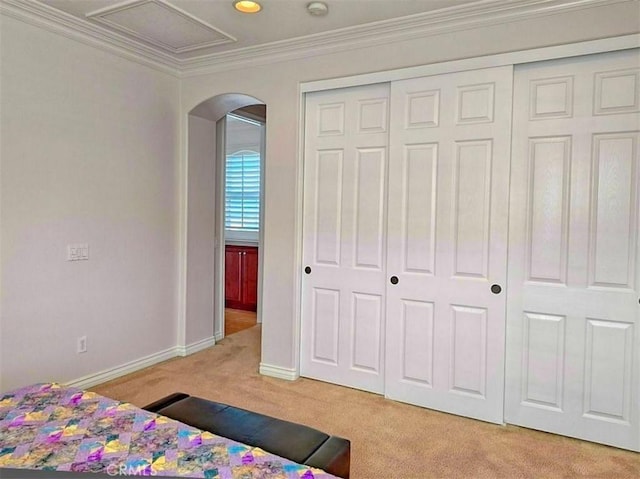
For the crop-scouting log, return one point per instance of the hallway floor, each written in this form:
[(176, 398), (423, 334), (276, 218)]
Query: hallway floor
[(237, 320)]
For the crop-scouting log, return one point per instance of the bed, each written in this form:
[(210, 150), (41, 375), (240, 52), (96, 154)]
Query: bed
[(54, 428)]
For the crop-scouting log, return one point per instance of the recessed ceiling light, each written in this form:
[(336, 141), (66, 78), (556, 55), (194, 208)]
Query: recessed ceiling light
[(318, 9), (247, 6)]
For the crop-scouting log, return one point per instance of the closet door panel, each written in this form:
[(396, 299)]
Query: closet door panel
[(328, 218), (471, 196), (447, 237), (417, 342), (344, 248), (369, 200), (325, 321), (420, 167), (573, 359)]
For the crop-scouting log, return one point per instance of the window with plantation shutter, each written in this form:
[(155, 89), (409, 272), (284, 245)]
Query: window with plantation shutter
[(242, 192)]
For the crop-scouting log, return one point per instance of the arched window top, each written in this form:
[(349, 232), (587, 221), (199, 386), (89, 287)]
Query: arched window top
[(244, 152)]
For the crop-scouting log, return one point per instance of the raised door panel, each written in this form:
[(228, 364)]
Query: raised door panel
[(250, 277), (447, 235), (543, 363), (344, 244), (471, 209), (417, 342), (366, 332), (614, 226), (549, 171), (233, 276), (418, 227), (325, 326), (369, 208), (468, 360), (573, 359), (328, 217), (608, 370)]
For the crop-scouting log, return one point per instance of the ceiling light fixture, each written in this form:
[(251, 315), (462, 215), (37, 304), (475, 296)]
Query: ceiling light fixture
[(247, 6), (318, 9)]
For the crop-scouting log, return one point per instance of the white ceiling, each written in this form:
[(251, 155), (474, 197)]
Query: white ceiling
[(191, 37), (198, 28)]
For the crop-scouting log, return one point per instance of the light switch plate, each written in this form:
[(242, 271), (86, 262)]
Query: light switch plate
[(77, 252)]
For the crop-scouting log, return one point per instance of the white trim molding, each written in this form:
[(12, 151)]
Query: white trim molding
[(461, 17), (421, 25), (279, 372), (183, 228), (126, 368), (62, 23), (137, 364), (568, 50), (110, 374), (195, 347)]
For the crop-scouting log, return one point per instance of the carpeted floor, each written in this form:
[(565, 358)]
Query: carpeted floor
[(388, 439)]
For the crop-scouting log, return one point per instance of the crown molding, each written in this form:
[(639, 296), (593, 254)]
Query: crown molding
[(62, 23), (448, 20), (479, 14)]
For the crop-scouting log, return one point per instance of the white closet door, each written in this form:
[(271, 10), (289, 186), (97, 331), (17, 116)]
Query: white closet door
[(573, 363), (447, 241), (342, 330)]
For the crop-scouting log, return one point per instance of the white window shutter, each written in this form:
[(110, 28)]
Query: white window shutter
[(242, 191)]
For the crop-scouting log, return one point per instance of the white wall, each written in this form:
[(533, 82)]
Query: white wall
[(89, 153), (201, 230), (88, 150), (277, 86)]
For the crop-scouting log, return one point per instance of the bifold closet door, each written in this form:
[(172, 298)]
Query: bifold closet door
[(344, 218), (447, 241), (573, 364)]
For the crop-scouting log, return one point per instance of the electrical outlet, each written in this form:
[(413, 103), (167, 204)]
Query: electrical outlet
[(82, 344)]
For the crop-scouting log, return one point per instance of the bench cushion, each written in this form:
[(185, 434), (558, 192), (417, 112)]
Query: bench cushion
[(301, 444)]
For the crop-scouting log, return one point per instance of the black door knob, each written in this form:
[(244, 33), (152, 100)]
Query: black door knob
[(496, 289), (307, 270), (394, 280)]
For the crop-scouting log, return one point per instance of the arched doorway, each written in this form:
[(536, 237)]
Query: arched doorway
[(205, 242)]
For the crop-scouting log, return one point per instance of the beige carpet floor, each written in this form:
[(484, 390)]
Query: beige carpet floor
[(388, 439)]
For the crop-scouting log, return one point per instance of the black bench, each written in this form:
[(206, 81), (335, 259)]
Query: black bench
[(292, 441)]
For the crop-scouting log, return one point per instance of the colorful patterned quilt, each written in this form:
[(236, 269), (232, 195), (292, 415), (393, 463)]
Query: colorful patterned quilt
[(56, 428)]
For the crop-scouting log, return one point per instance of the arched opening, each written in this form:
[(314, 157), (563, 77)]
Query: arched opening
[(208, 224)]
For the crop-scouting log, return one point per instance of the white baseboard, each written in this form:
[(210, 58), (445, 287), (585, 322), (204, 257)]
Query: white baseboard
[(195, 347), (278, 372), (218, 336), (127, 368), (138, 364)]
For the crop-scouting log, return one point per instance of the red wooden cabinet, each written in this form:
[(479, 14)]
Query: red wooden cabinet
[(241, 277)]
